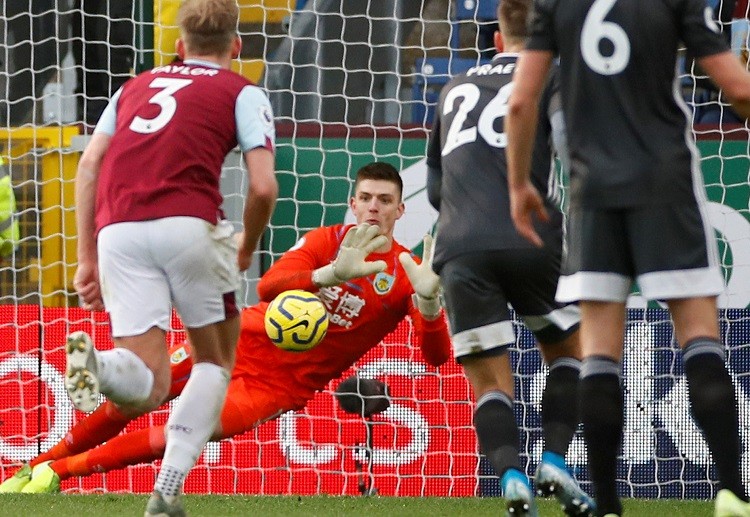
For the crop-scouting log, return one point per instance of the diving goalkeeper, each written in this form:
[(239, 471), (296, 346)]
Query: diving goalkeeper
[(368, 282)]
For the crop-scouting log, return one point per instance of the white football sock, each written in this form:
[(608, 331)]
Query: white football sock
[(191, 424), (123, 376)]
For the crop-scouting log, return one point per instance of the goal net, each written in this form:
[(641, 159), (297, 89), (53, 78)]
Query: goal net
[(350, 82)]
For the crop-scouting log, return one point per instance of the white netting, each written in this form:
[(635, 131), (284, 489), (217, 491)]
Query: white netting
[(350, 82)]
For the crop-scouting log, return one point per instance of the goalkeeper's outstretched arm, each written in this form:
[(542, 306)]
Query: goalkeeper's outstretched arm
[(308, 264)]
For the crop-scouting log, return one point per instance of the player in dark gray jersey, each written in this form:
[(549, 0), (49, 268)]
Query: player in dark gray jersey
[(467, 156), (627, 72), (637, 205), (485, 264)]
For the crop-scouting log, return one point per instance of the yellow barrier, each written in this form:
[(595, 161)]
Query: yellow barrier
[(43, 163), (268, 11)]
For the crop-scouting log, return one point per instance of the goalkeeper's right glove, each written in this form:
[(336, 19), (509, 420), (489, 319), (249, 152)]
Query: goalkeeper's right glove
[(358, 243), (425, 282)]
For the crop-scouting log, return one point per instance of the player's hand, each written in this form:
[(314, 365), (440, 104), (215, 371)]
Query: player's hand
[(525, 203), (423, 279), (244, 257), (358, 243), (86, 283)]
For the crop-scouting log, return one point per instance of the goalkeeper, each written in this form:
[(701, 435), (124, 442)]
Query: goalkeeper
[(367, 281)]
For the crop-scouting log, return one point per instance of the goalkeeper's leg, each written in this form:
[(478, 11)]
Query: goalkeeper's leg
[(108, 419), (141, 446), (245, 408), (96, 428), (72, 456)]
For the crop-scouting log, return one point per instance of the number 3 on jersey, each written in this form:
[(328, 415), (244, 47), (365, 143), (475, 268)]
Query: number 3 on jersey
[(469, 94), (164, 99)]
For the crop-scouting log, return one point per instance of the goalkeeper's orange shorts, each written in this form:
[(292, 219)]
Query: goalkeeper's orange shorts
[(248, 405)]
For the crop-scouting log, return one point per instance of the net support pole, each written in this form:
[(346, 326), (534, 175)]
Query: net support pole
[(144, 35)]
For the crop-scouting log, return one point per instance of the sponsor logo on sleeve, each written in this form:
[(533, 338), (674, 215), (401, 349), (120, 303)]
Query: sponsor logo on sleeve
[(264, 111), (178, 356)]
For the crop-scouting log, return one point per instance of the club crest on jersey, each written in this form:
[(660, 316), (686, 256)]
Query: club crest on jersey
[(383, 283)]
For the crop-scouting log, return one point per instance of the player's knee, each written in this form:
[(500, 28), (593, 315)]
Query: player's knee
[(560, 343), (487, 373)]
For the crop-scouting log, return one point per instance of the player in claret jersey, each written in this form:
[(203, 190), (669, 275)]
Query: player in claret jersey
[(366, 300), (151, 234)]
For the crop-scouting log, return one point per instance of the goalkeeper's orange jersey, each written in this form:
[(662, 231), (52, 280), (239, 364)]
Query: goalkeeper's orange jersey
[(361, 313)]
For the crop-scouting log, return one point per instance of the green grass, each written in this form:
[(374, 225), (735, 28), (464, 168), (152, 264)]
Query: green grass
[(225, 506)]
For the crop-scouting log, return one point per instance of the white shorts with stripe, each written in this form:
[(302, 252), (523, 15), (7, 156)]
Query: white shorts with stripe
[(146, 266)]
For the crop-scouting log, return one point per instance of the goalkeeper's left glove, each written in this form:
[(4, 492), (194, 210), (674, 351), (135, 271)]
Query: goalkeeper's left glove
[(357, 244), (425, 282)]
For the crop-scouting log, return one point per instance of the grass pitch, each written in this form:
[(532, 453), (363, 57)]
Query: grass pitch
[(323, 506)]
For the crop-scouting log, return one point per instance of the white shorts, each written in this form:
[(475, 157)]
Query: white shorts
[(146, 266)]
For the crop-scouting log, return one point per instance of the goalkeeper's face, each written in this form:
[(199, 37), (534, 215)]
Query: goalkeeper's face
[(377, 202)]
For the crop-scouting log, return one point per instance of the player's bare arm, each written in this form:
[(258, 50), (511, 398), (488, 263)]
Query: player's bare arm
[(434, 184), (728, 73), (86, 280), (520, 126), (261, 198)]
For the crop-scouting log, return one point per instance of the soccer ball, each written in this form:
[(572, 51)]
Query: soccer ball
[(296, 320)]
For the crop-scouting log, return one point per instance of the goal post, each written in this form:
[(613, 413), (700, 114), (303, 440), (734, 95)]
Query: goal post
[(339, 105)]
